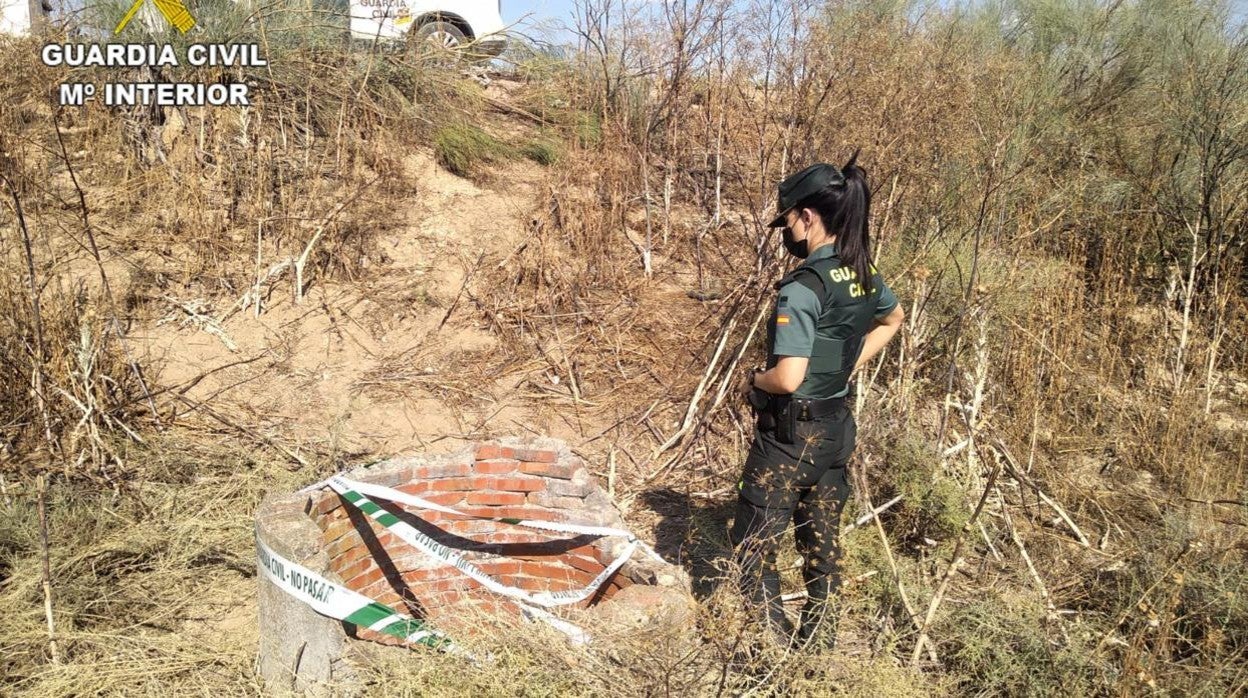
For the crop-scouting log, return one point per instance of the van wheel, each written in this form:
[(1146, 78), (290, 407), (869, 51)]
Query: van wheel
[(441, 35)]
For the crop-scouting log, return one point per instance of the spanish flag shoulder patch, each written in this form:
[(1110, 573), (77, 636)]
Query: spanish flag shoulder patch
[(782, 319)]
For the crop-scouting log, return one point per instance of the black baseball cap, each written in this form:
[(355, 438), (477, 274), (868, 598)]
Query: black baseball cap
[(800, 185)]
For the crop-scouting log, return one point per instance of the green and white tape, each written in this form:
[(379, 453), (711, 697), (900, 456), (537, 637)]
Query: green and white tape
[(400, 497), (344, 604), (338, 602), (352, 492)]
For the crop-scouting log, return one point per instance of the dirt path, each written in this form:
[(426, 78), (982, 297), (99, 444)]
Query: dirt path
[(321, 369)]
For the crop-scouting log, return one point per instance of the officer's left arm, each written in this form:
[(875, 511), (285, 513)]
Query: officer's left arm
[(888, 317)]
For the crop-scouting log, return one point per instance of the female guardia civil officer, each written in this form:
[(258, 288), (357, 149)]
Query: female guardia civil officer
[(833, 314)]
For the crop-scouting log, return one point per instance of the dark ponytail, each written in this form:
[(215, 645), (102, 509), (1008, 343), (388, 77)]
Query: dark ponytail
[(845, 209)]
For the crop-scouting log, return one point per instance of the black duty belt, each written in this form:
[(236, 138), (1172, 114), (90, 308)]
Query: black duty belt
[(807, 409), (804, 409)]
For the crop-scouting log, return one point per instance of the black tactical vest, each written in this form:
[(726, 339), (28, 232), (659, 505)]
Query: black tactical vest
[(847, 314)]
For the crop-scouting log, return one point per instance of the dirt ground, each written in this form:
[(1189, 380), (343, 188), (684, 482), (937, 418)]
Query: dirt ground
[(314, 363)]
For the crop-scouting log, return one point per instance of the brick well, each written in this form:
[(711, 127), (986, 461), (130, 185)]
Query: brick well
[(528, 480)]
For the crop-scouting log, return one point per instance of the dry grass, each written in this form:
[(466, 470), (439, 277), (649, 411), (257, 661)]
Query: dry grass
[(154, 590), (1069, 354)]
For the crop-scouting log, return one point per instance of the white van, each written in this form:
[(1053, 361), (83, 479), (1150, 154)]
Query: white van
[(474, 23), (16, 15)]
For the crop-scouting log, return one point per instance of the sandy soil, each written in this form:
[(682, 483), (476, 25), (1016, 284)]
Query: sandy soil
[(315, 362)]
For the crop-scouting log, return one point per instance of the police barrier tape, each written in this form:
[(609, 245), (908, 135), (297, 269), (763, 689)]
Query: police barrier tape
[(351, 491), (312, 589), (400, 497), (340, 603)]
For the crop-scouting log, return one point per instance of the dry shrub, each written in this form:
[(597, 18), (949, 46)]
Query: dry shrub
[(133, 211), (1034, 203), (1033, 207), (68, 390)]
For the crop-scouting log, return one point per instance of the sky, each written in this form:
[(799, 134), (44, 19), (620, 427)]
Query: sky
[(548, 13), (537, 14), (515, 9)]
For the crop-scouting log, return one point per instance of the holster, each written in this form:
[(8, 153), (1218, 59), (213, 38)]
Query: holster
[(775, 412), (785, 419), (760, 400)]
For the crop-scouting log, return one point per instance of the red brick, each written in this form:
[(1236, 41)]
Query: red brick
[(581, 577), (336, 530), (420, 576), (604, 592), (377, 589), (436, 518), (530, 583), (526, 512), (470, 527), (504, 538), (352, 556), (569, 576), (496, 466), (381, 586), (339, 514), (487, 512), (443, 498), (496, 607), (514, 484), (589, 550), (356, 568), (501, 567), (584, 564), (453, 584), (373, 636), (385, 591), (365, 578), (456, 483), (620, 580), (449, 597), (389, 598), (325, 520), (342, 545), (328, 502), (536, 583), (433, 472), (417, 488), (536, 455), (488, 451), (540, 559), (495, 498), (546, 469), (546, 499), (336, 565), (537, 569)]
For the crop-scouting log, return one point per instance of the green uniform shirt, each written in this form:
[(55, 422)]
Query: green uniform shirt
[(796, 319)]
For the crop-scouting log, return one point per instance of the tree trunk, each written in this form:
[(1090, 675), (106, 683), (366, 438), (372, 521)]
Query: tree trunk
[(38, 19)]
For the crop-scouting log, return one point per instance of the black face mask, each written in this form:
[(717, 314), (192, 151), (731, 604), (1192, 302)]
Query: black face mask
[(797, 248)]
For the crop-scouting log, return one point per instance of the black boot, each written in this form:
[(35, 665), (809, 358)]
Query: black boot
[(754, 537), (762, 589), (777, 621), (819, 614)]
